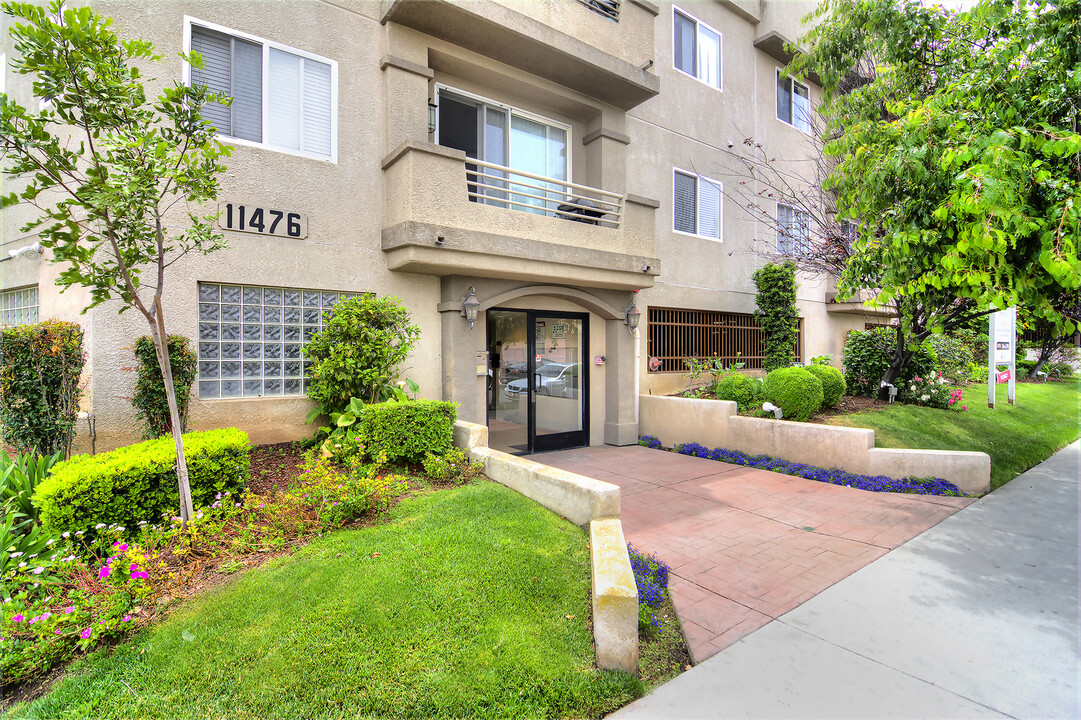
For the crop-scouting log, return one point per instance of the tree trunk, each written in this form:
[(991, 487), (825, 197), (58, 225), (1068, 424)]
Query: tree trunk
[(898, 362), (161, 343), (1050, 344)]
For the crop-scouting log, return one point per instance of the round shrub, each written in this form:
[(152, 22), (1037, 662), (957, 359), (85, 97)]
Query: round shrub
[(833, 383), (740, 389), (796, 391)]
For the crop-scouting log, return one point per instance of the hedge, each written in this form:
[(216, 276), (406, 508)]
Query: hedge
[(40, 365), (138, 483), (796, 391), (406, 431), (833, 383), (867, 357)]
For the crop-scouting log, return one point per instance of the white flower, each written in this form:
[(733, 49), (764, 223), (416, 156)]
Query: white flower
[(99, 526), (925, 397), (15, 554)]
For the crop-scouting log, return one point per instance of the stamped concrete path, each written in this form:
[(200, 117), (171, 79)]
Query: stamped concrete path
[(746, 545)]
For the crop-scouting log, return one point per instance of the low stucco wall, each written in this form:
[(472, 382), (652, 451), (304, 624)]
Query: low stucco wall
[(583, 501), (714, 423)]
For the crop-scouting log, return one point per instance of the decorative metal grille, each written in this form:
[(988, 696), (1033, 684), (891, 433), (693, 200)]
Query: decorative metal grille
[(675, 334), (607, 8)]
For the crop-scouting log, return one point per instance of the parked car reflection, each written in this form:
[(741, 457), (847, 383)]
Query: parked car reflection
[(555, 379)]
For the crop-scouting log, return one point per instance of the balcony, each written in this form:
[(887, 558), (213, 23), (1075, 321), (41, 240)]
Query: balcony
[(599, 49), (447, 214)]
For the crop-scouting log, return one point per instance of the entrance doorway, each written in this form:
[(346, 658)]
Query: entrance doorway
[(538, 389)]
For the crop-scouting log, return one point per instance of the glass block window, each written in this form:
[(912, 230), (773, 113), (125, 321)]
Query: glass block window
[(19, 307), (251, 338)]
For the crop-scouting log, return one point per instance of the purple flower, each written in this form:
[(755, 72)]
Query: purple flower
[(127, 618), (69, 610), (18, 618), (121, 547), (85, 634), (38, 570), (104, 572)]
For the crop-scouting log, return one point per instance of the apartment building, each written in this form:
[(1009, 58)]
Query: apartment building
[(547, 185)]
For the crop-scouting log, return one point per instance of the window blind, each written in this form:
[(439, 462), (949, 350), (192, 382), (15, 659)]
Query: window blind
[(684, 43), (684, 202), (709, 209), (216, 73)]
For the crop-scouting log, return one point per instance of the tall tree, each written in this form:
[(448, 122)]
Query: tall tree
[(110, 173), (958, 152)]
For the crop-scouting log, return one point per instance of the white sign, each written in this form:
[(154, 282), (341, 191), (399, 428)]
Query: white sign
[(1002, 337)]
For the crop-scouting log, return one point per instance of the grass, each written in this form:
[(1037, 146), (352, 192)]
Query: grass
[(470, 602), (1044, 420), (663, 655)]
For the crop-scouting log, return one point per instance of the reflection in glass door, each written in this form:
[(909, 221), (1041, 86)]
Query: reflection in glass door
[(537, 380)]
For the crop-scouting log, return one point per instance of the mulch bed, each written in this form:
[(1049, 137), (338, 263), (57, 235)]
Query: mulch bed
[(847, 405), (274, 467)]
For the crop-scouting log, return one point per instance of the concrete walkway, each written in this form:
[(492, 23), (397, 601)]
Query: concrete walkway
[(746, 545), (977, 617)]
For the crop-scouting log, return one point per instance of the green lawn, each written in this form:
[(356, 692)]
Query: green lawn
[(472, 602), (1045, 419)]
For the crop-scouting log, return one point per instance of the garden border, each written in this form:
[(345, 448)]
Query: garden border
[(714, 423), (586, 502)]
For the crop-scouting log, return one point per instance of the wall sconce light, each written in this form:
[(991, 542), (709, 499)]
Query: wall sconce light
[(469, 307), (30, 252), (431, 117), (632, 318)]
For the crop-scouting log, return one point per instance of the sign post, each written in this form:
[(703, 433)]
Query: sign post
[(1001, 350)]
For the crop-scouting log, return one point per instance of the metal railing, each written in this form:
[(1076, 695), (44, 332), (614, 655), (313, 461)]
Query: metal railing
[(503, 186), (674, 334), (607, 8)]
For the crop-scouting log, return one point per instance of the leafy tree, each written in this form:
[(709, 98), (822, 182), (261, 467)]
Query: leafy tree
[(150, 400), (777, 313), (358, 352), (110, 173), (957, 150)]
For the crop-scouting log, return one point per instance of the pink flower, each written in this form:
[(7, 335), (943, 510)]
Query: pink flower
[(121, 547), (134, 567), (104, 572), (58, 632), (46, 616), (127, 618), (85, 634), (70, 610), (18, 618), (964, 407)]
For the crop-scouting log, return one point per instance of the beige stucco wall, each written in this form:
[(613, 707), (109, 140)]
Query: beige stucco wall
[(386, 75)]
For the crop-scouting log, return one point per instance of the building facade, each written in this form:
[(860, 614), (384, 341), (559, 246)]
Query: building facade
[(557, 167)]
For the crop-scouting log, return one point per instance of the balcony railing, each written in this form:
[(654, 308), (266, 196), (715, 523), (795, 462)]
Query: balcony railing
[(607, 8), (507, 187)]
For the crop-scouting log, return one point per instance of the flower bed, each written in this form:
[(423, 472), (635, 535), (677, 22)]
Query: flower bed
[(651, 577), (834, 476)]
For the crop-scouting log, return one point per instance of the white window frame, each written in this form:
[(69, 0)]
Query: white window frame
[(698, 25), (32, 308), (792, 103), (797, 249), (698, 180), (441, 88), (267, 45)]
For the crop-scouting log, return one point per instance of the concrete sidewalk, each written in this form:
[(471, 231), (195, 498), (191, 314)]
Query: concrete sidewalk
[(977, 617)]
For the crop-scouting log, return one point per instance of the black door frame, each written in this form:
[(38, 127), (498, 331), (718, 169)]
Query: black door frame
[(552, 441)]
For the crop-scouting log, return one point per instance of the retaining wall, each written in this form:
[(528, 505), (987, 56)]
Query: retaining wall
[(714, 423)]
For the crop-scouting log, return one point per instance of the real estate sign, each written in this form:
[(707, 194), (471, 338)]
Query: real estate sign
[(1001, 350)]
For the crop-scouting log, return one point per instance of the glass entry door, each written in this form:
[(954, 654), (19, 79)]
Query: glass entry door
[(537, 380)]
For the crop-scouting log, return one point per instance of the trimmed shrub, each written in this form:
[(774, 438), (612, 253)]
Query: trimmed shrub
[(952, 357), (796, 391), (408, 431), (777, 313), (833, 383), (358, 352), (40, 366), (867, 357), (138, 483), (740, 389), (150, 403)]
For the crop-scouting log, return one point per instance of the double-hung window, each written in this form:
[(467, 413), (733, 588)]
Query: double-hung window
[(793, 103), (793, 229), (510, 138), (696, 203), (697, 48), (283, 98)]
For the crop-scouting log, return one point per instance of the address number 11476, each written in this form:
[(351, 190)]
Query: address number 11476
[(261, 220)]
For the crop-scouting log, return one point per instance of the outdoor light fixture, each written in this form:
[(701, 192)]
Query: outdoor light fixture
[(770, 407), (892, 390), (632, 318), (469, 307), (431, 117), (30, 252)]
